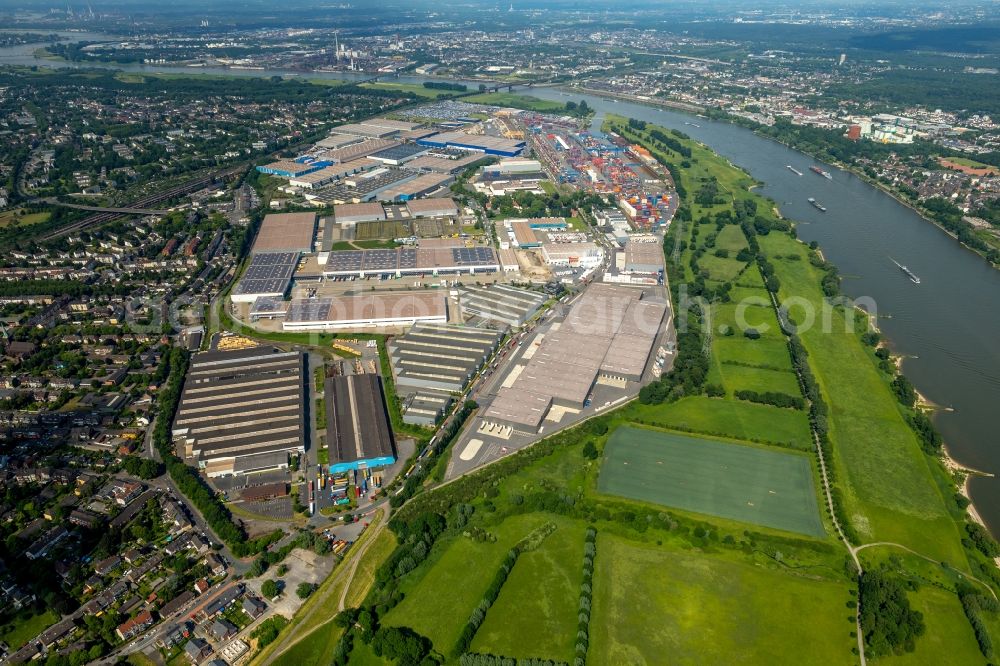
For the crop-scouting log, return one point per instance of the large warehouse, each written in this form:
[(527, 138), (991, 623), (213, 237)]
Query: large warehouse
[(268, 274), (491, 145), (610, 331), (286, 232), (410, 261), (358, 434), (499, 302), (433, 356), (371, 310), (241, 411)]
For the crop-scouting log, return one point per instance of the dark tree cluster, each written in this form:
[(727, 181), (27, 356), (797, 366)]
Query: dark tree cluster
[(888, 623)]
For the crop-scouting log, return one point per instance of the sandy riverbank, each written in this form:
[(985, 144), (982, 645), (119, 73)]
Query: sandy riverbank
[(966, 473)]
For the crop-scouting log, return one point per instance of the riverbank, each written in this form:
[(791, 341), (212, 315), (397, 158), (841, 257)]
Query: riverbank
[(677, 106), (874, 182)]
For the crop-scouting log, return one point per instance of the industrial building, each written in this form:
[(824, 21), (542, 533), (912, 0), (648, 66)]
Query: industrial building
[(491, 145), (584, 255), (241, 411), (366, 130), (290, 168), (411, 261), (368, 311), (643, 256), (434, 356), (610, 331), (358, 434), (267, 275), (398, 155), (348, 214), (423, 185), (356, 151), (452, 165), (286, 232), (424, 408), (499, 302), (364, 187), (437, 207), (327, 175)]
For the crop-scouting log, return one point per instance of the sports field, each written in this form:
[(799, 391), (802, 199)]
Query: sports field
[(769, 488)]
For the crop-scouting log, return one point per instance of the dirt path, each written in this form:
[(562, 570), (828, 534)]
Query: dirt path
[(348, 569)]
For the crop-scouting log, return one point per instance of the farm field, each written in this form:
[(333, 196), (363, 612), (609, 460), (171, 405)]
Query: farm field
[(729, 418), (535, 614), (465, 569), (754, 485), (709, 610), (739, 377)]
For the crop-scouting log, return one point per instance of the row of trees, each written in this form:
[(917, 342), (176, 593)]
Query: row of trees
[(478, 615), (585, 602), (974, 603), (771, 398)]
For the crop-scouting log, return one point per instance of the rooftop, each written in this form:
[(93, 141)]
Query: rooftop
[(286, 232)]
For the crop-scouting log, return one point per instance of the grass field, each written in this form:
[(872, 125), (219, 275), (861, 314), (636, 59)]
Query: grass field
[(464, 569), (377, 553), (754, 485), (22, 218), (949, 638), (721, 269), (535, 614), (516, 101), (765, 352), (888, 487), (314, 649), (730, 418), (739, 377), (414, 88), (26, 626), (731, 238), (380, 230), (659, 606)]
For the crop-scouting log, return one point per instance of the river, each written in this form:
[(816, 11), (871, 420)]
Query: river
[(947, 327)]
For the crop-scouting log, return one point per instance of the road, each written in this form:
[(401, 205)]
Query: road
[(347, 568)]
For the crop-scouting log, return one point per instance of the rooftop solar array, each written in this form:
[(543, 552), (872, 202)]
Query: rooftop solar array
[(268, 274), (309, 309), (408, 259)]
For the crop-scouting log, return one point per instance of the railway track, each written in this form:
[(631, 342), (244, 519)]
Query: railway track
[(146, 202)]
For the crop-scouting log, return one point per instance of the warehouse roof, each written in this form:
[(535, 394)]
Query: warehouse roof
[(643, 254), (609, 330), (359, 212), (365, 129), (357, 419), (434, 206), (239, 403), (286, 232), (430, 354), (358, 150), (367, 307)]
